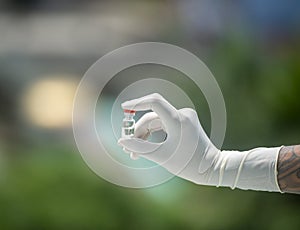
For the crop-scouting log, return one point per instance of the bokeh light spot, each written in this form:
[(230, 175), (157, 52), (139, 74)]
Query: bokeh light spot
[(48, 102)]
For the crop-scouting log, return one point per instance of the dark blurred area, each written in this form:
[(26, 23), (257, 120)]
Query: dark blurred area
[(251, 46)]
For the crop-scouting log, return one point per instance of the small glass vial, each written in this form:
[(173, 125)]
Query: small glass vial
[(128, 124)]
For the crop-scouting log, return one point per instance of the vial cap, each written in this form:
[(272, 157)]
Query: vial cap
[(129, 111)]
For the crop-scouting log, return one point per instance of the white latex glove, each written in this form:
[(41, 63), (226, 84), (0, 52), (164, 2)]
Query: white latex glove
[(188, 152)]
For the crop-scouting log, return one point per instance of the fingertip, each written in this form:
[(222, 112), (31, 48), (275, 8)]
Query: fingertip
[(126, 150), (134, 156), (119, 142), (123, 105), (130, 105), (122, 140)]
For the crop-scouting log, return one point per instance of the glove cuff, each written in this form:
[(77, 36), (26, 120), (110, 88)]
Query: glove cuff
[(255, 169)]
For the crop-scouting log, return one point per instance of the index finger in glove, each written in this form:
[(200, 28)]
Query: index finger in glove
[(166, 112)]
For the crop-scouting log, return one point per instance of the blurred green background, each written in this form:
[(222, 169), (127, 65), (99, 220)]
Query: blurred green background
[(251, 46)]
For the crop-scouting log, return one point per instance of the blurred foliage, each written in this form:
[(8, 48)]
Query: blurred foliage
[(53, 189), (260, 88)]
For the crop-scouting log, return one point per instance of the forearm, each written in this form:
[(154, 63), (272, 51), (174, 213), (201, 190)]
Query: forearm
[(288, 168)]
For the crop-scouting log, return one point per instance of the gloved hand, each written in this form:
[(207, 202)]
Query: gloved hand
[(188, 152)]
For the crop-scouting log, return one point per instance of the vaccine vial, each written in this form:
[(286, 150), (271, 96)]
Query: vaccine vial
[(128, 124)]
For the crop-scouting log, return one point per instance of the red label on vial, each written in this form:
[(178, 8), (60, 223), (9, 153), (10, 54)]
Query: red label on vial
[(129, 111)]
